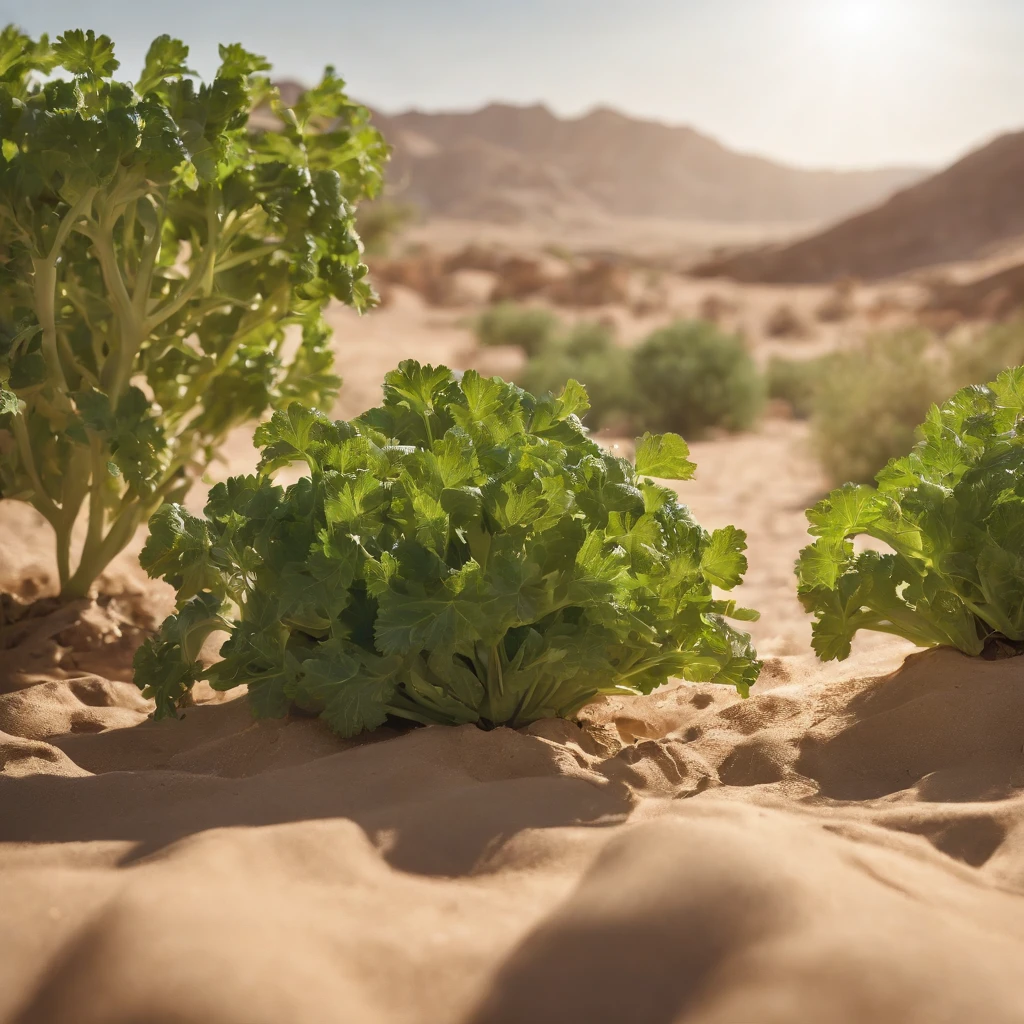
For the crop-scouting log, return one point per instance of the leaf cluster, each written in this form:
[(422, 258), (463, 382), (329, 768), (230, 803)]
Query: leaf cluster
[(951, 514), (157, 254), (462, 553)]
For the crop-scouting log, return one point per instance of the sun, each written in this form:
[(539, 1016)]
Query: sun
[(863, 19)]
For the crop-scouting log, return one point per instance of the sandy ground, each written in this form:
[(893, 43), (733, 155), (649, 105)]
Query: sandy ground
[(646, 236), (846, 845)]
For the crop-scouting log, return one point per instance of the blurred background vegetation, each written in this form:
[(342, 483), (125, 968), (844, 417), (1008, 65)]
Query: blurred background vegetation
[(863, 402)]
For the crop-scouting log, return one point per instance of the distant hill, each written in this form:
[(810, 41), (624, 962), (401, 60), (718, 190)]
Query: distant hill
[(508, 163), (958, 214)]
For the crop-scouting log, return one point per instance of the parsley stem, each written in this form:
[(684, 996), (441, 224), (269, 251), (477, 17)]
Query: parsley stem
[(63, 555), (44, 288), (40, 499), (147, 261), (201, 277), (496, 662), (97, 512)]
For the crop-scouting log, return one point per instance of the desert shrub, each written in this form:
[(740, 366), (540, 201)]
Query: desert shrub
[(560, 252), (463, 553), (600, 282), (838, 305), (983, 354), (785, 322), (797, 382), (589, 353), (653, 296), (995, 297), (473, 256), (529, 327), (952, 515), (518, 277), (714, 308), (422, 271), (155, 250), (870, 402), (690, 376), (886, 304), (589, 336), (380, 222), (833, 309)]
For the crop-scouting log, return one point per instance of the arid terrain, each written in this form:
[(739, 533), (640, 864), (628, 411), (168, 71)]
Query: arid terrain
[(962, 213), (845, 845)]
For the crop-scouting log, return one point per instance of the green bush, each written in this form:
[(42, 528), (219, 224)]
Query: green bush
[(381, 221), (982, 356), (589, 354), (589, 337), (797, 382), (687, 377), (691, 376), (870, 402), (463, 553), (508, 323)]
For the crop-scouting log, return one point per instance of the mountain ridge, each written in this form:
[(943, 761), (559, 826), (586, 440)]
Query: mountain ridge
[(960, 213), (506, 163)]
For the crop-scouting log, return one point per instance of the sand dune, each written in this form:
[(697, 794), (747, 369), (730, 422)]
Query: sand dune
[(823, 851), (846, 845)]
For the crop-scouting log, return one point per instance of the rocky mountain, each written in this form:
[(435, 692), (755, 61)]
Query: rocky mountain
[(961, 213), (509, 163)]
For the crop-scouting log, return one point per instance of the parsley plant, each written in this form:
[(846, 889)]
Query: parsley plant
[(952, 516), (463, 553), (154, 250)]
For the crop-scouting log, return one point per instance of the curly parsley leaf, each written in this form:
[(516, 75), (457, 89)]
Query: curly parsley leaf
[(462, 553), (85, 53), (664, 455)]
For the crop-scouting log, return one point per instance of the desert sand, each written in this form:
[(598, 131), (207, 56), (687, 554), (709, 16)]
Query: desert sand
[(845, 846)]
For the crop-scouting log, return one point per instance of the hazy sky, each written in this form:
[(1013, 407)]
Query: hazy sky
[(828, 83)]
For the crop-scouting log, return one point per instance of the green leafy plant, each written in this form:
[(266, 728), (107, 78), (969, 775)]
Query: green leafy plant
[(155, 252), (951, 513), (531, 328), (869, 403), (463, 553), (691, 376)]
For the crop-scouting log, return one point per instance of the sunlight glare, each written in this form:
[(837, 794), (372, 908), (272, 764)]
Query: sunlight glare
[(857, 28), (862, 17)]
